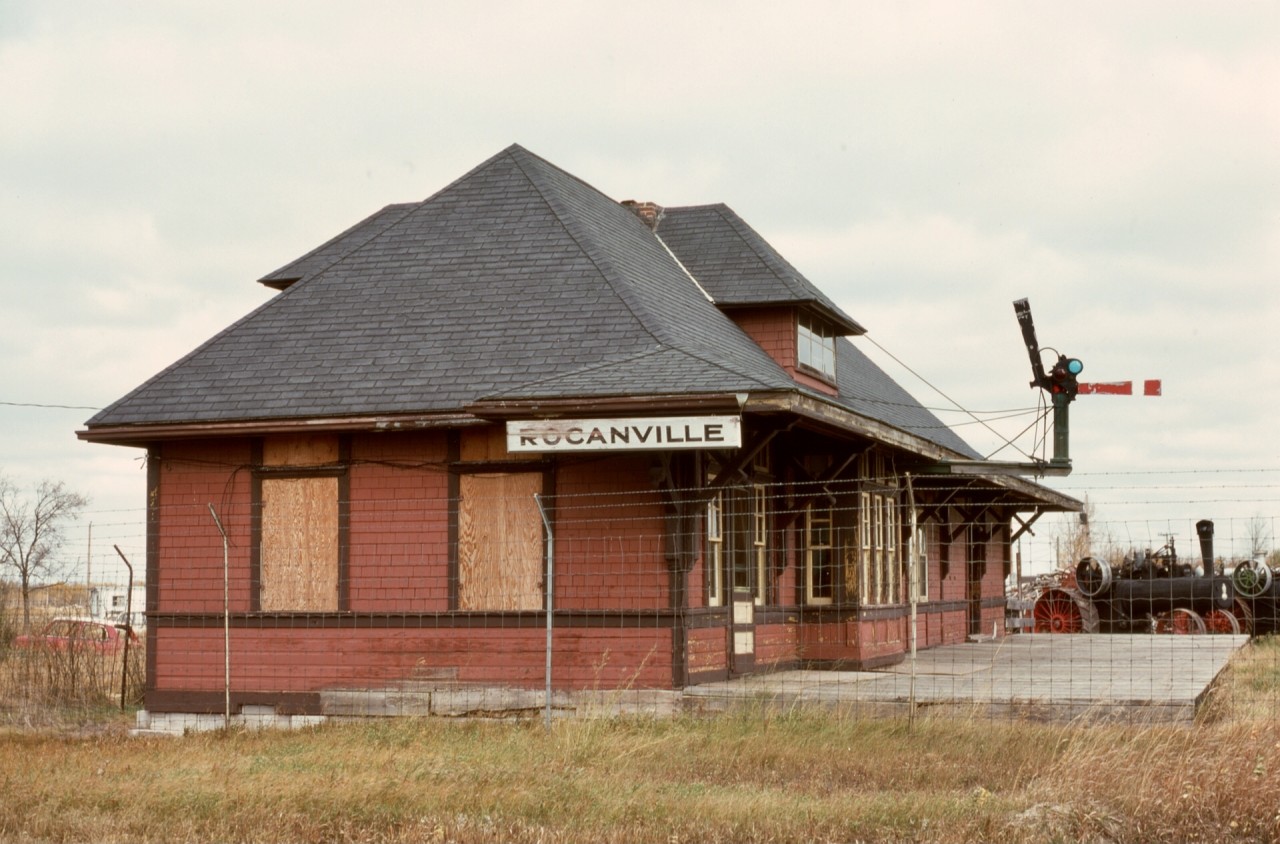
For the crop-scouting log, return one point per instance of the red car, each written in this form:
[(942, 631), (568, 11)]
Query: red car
[(78, 634)]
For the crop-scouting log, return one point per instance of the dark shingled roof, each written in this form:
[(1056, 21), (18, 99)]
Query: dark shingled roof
[(737, 266), (327, 254), (516, 281)]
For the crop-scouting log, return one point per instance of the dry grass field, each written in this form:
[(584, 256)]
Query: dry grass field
[(754, 774)]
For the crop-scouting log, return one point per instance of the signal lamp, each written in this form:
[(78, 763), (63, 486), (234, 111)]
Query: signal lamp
[(1062, 377)]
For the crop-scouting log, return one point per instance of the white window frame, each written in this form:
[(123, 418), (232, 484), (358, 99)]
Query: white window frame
[(892, 558), (714, 560), (760, 539), (816, 345), (880, 546), (810, 546), (866, 587), (879, 549), (921, 563)]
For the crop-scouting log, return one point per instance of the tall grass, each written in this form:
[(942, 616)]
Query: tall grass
[(751, 775), (1249, 690), (755, 773)]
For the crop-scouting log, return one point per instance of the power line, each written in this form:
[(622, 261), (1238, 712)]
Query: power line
[(1007, 442), (49, 406)]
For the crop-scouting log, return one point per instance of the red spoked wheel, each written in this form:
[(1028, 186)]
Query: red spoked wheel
[(1180, 621), (1243, 614), (1061, 611), (1222, 621)]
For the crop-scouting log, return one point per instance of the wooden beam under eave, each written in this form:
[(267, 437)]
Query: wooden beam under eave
[(1025, 527), (817, 410)]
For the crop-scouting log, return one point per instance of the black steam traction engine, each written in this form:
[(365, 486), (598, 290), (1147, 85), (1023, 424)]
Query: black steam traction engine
[(1155, 592), (1149, 591)]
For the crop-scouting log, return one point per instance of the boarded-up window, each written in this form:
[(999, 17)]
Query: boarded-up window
[(499, 542), (298, 552), (488, 444), (300, 450), (299, 548)]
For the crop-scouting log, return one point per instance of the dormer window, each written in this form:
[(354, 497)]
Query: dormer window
[(816, 346)]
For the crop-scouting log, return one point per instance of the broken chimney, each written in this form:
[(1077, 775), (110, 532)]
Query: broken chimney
[(650, 212)]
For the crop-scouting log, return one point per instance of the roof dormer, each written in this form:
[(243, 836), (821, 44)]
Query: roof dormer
[(793, 321)]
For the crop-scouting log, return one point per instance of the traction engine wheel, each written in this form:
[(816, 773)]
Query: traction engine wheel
[(1093, 576), (1180, 621), (1244, 615), (1252, 578), (1064, 611), (1222, 621)]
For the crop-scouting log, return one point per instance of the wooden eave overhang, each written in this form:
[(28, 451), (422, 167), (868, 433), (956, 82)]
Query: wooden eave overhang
[(833, 416), (1004, 491), (846, 326), (141, 434), (1014, 492)]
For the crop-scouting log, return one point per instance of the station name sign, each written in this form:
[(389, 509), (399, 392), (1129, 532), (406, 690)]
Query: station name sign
[(642, 434)]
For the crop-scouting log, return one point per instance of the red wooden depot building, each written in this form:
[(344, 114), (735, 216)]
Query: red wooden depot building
[(391, 440)]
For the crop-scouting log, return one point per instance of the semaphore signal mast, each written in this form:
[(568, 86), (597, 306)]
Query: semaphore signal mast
[(1062, 383)]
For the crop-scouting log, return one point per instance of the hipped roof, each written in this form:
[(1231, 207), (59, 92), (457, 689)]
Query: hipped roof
[(518, 281)]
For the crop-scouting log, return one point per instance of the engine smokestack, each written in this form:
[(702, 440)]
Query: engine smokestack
[(1204, 529)]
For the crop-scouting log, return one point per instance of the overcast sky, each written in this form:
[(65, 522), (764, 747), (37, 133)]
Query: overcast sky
[(923, 163)]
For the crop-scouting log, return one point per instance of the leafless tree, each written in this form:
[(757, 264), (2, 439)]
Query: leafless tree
[(1082, 535), (32, 534), (1258, 533)]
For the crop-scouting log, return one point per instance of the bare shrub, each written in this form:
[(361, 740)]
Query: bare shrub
[(45, 685)]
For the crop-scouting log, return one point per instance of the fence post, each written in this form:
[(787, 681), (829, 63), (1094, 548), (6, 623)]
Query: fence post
[(913, 592), (549, 591), (128, 626), (226, 624)]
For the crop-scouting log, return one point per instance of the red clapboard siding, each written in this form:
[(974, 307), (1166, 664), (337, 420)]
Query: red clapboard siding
[(191, 477), (609, 545), (707, 650), (301, 660), (399, 525)]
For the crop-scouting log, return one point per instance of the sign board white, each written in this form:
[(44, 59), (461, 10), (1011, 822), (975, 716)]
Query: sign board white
[(641, 434)]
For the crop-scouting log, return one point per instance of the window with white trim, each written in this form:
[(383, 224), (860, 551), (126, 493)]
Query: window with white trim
[(816, 345), (880, 554), (921, 562), (737, 537), (714, 560), (760, 540), (819, 556)]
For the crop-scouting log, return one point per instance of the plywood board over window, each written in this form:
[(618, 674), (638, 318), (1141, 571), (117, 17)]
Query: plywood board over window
[(499, 542), (299, 545), (298, 551), (300, 450), (489, 444)]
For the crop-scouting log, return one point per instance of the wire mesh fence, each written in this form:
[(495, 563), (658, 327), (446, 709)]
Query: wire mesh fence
[(314, 599)]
